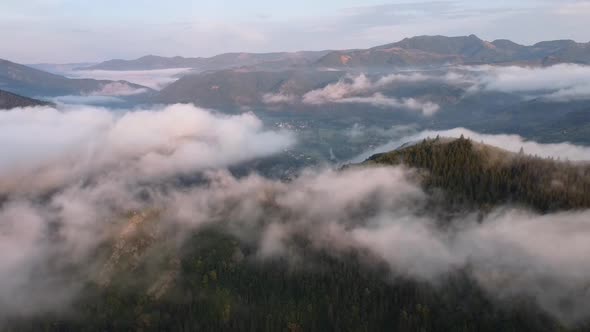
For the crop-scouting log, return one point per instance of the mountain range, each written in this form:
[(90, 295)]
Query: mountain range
[(237, 80), (409, 52), (440, 50), (218, 62)]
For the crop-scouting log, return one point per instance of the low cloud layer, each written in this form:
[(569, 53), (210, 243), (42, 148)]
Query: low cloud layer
[(84, 100), (155, 79), (380, 100), (278, 98), (356, 85), (557, 82), (362, 90), (45, 148), (374, 211), (562, 82)]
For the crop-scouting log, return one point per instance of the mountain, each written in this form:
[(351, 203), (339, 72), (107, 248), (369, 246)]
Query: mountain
[(479, 176), (409, 52), (272, 84), (440, 50), (25, 80), (218, 62), (10, 100), (243, 87)]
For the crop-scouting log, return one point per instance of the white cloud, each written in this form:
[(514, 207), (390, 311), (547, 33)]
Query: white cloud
[(559, 82), (361, 89), (278, 98), (376, 211), (339, 90), (379, 100), (45, 148), (380, 211), (356, 85)]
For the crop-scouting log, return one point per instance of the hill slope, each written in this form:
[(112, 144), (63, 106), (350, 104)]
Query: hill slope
[(10, 100), (143, 279), (478, 175), (25, 80)]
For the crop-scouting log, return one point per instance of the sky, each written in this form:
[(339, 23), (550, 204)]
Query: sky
[(67, 31)]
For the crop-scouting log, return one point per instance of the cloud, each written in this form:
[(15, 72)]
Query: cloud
[(362, 90), (561, 82), (45, 147), (101, 165), (278, 98), (558, 83), (356, 85), (336, 91), (380, 212), (379, 100), (155, 79)]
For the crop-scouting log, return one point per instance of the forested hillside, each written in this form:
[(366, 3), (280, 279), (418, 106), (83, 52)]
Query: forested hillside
[(479, 175), (214, 282), (217, 289)]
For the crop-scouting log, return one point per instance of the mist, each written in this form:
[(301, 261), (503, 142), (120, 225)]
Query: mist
[(362, 90), (562, 82), (70, 176), (45, 148)]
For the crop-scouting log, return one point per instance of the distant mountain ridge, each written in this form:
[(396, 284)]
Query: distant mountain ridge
[(25, 80), (415, 51), (218, 62), (438, 50)]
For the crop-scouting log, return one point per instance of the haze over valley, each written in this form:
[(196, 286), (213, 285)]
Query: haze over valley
[(364, 171)]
